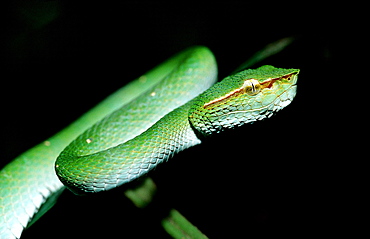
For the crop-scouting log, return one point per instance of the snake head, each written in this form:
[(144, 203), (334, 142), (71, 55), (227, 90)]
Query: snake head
[(244, 97)]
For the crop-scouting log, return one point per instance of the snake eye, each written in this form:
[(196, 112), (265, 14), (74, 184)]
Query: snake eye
[(252, 87)]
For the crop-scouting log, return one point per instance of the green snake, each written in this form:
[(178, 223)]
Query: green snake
[(177, 105)]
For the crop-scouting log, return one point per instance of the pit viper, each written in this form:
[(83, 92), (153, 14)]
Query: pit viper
[(169, 109)]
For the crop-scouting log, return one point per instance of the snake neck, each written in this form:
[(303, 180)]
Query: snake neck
[(126, 162)]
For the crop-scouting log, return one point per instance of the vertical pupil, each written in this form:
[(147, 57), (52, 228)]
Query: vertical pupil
[(253, 87)]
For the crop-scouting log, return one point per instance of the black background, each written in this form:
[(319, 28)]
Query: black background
[(278, 177)]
